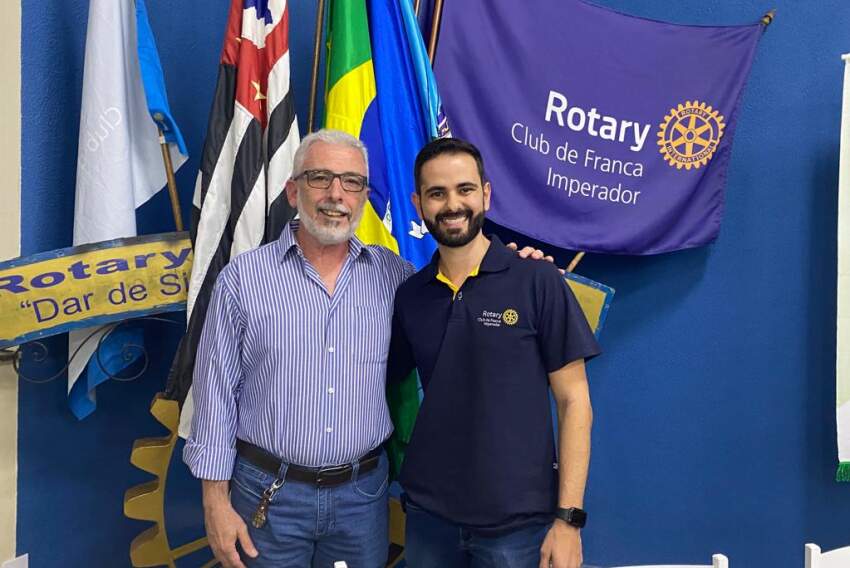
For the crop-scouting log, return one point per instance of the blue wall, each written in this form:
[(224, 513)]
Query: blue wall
[(714, 401)]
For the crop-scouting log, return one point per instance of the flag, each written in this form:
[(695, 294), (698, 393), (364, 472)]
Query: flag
[(154, 81), (350, 105), (617, 140), (842, 341), (380, 89), (119, 166), (252, 135)]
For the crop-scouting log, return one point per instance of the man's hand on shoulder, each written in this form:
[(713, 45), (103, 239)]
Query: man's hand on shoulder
[(562, 547), (532, 253), (224, 526)]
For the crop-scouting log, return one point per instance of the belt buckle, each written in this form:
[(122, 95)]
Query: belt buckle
[(326, 474)]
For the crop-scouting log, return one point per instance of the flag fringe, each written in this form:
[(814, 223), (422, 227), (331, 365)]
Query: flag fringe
[(843, 473)]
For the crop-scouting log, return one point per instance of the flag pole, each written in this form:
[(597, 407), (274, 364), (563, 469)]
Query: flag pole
[(169, 176), (435, 30), (317, 45), (767, 19), (416, 7), (574, 262)]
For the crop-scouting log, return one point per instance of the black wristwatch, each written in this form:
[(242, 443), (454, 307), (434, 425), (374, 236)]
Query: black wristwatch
[(573, 516)]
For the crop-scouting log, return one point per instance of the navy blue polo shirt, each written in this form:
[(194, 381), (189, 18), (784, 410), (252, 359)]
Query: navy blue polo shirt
[(482, 453)]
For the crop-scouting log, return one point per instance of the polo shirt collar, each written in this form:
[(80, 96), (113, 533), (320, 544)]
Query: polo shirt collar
[(496, 259), (288, 244)]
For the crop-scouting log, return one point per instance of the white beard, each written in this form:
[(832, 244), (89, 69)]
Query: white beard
[(325, 234)]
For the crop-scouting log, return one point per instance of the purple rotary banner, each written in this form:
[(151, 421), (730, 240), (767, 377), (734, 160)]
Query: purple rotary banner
[(600, 131)]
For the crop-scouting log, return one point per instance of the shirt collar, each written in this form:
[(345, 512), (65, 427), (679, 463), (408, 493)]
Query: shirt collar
[(289, 244), (496, 259)]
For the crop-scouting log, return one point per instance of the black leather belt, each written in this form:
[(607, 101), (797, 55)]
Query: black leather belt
[(321, 477)]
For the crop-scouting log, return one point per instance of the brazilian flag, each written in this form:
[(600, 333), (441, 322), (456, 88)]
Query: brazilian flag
[(380, 88), (351, 105)]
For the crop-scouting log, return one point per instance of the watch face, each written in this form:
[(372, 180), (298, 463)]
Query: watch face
[(579, 516)]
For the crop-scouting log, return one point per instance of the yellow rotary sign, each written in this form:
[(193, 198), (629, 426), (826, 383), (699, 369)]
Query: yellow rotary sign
[(690, 134), (94, 284), (510, 317)]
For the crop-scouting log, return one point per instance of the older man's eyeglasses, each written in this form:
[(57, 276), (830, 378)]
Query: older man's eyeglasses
[(322, 179)]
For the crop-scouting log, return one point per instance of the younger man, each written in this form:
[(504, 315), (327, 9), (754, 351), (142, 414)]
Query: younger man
[(489, 334)]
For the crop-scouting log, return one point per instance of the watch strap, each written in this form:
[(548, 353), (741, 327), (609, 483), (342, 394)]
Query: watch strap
[(573, 516)]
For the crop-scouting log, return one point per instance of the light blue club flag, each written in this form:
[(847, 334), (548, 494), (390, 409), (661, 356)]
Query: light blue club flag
[(119, 167), (410, 115), (153, 79)]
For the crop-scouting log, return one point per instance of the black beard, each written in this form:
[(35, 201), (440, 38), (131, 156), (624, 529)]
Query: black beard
[(455, 240)]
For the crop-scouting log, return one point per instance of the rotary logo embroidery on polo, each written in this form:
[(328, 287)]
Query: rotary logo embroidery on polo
[(509, 317)]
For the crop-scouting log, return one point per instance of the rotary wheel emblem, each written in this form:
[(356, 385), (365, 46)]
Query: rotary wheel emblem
[(689, 135), (510, 317)]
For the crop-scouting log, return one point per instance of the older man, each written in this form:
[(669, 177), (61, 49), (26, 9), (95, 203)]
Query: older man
[(289, 381)]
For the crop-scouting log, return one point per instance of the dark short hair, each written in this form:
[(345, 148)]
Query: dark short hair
[(442, 146)]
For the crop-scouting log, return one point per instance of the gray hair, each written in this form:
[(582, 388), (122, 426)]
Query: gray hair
[(328, 136)]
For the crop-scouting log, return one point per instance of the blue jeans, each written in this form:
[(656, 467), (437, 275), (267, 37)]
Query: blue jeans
[(431, 542), (314, 527)]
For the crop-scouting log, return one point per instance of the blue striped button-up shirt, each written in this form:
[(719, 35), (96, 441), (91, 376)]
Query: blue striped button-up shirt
[(285, 366)]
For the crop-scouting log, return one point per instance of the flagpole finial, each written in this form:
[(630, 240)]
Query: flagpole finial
[(767, 19)]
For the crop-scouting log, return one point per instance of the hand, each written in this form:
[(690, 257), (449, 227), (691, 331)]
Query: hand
[(533, 253), (224, 527), (561, 547)]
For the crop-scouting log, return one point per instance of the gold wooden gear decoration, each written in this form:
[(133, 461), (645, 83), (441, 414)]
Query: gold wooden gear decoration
[(146, 501)]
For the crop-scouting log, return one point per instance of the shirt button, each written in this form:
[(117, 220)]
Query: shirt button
[(330, 349), (329, 429), (330, 390)]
